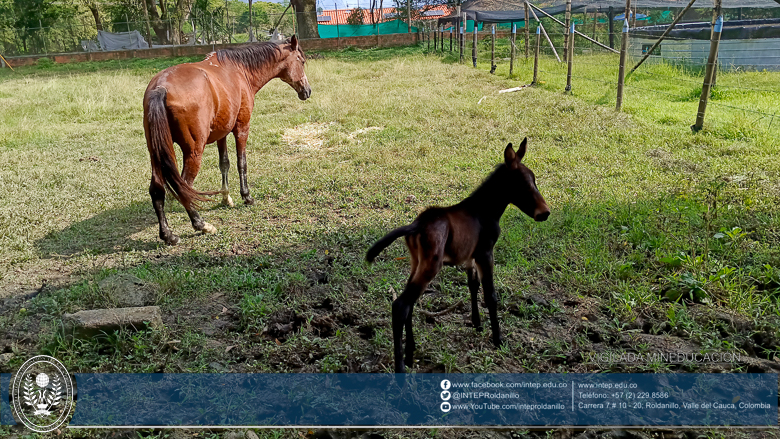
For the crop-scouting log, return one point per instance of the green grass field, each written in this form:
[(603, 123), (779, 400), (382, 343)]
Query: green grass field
[(659, 240)]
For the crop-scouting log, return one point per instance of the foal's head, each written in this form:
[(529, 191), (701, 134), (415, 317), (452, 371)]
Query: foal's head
[(522, 184), (292, 69)]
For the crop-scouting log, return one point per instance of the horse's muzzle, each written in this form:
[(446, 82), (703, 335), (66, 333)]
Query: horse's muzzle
[(542, 214), (304, 93)]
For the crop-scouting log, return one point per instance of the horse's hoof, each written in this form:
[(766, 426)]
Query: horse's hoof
[(171, 239), (208, 228), (249, 201), (227, 201)]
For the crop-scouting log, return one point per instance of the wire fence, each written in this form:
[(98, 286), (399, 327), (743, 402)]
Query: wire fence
[(745, 97), (199, 29)]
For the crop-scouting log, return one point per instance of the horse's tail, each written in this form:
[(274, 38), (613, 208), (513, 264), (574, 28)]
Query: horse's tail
[(160, 144), (388, 239)]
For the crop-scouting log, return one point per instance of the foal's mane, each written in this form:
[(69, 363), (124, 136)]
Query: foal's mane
[(253, 56), (490, 180)]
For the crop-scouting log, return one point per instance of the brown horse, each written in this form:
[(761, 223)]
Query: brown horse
[(462, 234), (195, 104)]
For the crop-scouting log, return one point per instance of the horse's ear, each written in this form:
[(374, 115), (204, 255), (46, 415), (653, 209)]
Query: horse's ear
[(294, 43), (510, 158), (521, 149)]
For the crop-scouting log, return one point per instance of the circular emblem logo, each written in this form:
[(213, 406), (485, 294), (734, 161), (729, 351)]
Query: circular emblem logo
[(42, 394)]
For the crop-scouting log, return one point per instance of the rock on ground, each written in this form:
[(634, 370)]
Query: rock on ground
[(92, 322)]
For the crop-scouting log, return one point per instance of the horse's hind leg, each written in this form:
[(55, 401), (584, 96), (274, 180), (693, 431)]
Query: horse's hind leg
[(157, 192), (189, 172), (224, 167), (473, 282), (429, 263), (241, 133)]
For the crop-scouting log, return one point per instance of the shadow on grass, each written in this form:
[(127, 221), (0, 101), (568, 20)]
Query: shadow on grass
[(314, 305), (105, 232)]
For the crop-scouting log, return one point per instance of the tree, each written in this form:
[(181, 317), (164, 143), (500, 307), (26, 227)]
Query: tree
[(94, 9), (31, 15), (356, 16), (306, 17)]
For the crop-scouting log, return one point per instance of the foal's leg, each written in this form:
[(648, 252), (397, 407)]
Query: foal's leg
[(428, 267), (241, 133), (473, 282), (190, 169), (224, 167), (157, 192), (485, 266)]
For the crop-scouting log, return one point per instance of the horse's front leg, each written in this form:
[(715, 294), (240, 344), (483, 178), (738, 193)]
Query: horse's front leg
[(241, 133), (224, 167), (485, 271)]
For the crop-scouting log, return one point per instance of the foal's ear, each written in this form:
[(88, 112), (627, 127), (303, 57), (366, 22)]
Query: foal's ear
[(521, 149), (294, 43), (510, 157)]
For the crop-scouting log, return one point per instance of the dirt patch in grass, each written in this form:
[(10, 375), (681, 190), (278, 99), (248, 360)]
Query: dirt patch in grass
[(308, 136)]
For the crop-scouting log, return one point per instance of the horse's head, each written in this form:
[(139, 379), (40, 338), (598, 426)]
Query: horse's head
[(292, 69), (522, 184)]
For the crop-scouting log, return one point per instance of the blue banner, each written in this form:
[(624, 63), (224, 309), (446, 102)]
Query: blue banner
[(6, 417), (135, 400)]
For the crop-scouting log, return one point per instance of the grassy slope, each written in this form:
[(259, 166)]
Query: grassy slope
[(637, 201)]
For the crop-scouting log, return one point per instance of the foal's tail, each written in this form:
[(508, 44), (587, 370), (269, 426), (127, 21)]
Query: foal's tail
[(160, 146), (388, 239)]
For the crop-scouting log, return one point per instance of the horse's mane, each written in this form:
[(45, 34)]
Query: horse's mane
[(253, 56)]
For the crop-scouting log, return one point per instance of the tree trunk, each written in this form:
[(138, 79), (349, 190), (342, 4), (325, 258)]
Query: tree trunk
[(157, 25), (93, 8), (165, 22), (182, 14), (251, 36), (306, 16)]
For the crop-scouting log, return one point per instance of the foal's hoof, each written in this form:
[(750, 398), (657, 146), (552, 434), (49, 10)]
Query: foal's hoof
[(249, 201), (170, 239), (208, 228), (227, 201)]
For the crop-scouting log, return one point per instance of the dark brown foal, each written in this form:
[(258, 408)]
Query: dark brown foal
[(195, 104), (463, 234)]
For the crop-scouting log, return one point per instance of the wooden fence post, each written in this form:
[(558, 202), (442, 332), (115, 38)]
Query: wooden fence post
[(712, 66), (463, 37), (460, 39), (536, 53), (570, 60), (611, 18), (451, 29), (428, 37), (493, 49), (512, 49), (525, 8), (623, 52), (566, 35), (474, 45)]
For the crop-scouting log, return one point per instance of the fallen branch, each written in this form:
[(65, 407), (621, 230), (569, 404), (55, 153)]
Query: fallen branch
[(510, 90), (441, 313)]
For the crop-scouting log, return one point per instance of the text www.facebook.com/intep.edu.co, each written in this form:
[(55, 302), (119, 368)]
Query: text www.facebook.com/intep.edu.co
[(452, 392)]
